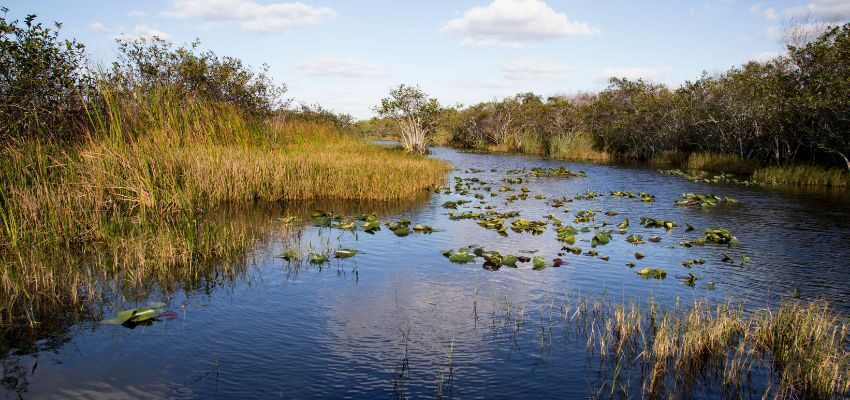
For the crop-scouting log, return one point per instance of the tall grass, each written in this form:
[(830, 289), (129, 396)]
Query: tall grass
[(578, 146), (717, 162), (806, 175), (641, 349), (136, 194)]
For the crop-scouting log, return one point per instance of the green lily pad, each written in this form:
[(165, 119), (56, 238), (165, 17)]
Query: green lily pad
[(318, 258), (345, 253), (652, 273), (538, 263)]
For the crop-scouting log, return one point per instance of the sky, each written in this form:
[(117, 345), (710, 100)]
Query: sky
[(346, 55)]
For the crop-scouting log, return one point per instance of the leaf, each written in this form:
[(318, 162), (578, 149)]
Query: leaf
[(640, 256), (144, 314), (157, 304), (345, 253), (538, 262), (120, 318), (318, 258)]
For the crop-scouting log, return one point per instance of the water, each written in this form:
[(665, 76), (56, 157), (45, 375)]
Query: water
[(400, 320)]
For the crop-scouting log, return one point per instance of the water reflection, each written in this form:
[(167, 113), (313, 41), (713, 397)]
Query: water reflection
[(398, 319)]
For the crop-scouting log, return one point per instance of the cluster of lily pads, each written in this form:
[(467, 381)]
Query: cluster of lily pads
[(583, 221), (494, 260), (703, 200), (707, 177)]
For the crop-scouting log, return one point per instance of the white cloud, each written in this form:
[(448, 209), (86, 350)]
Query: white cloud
[(274, 17), (766, 13), (633, 73), (504, 23), (823, 8), (535, 69), (764, 57), (143, 32), (332, 66), (489, 42), (136, 13), (98, 27)]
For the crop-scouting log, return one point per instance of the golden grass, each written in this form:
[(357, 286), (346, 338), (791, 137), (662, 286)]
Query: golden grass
[(135, 197), (645, 350), (577, 146), (717, 162), (806, 175)]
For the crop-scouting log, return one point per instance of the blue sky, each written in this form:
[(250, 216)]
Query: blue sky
[(345, 55)]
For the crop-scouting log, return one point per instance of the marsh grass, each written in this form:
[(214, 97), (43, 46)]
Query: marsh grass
[(577, 146), (645, 350), (717, 162), (136, 198), (805, 175)]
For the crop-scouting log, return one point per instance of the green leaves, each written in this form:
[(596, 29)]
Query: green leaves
[(600, 238), (136, 315), (648, 273), (345, 253)]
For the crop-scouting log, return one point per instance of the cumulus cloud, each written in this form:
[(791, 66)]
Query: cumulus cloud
[(633, 73), (251, 16), (505, 23), (143, 32), (342, 67), (535, 69), (98, 27)]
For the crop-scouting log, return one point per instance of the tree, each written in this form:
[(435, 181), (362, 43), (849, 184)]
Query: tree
[(415, 112)]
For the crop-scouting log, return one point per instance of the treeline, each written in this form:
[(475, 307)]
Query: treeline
[(792, 109)]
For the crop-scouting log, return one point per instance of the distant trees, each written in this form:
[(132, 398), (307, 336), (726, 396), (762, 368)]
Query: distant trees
[(415, 112), (794, 108)]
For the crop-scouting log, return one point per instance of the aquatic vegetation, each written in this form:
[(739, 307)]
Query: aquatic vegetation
[(400, 228), (555, 172), (290, 255), (807, 175), (707, 177), (690, 280), (559, 202), (318, 258), (713, 235), (585, 216), (689, 263), (138, 315), (658, 223), (652, 273), (419, 228), (702, 200), (534, 227), (538, 263), (588, 195), (635, 239), (643, 196), (600, 238), (345, 253)]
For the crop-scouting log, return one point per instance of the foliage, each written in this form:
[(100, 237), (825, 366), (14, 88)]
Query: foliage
[(43, 80), (792, 109), (144, 64), (415, 112)]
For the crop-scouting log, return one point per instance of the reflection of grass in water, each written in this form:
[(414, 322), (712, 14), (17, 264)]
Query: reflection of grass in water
[(646, 350), (133, 200)]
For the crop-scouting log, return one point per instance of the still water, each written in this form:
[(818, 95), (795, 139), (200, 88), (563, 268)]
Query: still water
[(401, 320)]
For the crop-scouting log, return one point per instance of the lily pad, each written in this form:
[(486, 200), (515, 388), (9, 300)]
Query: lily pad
[(345, 253), (652, 273)]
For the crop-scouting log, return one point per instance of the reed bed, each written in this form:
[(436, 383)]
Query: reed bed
[(135, 197), (717, 162), (645, 350), (578, 146), (805, 175)]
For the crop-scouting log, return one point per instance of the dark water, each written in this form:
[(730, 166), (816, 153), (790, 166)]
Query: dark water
[(400, 320)]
